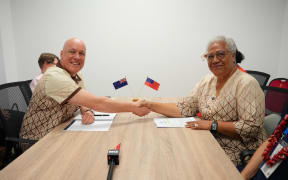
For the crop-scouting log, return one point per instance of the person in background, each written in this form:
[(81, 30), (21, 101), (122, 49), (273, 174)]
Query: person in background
[(61, 92), (230, 101), (45, 61), (270, 159)]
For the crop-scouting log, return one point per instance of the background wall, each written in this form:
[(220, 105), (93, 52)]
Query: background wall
[(8, 62), (283, 63), (2, 66), (162, 39)]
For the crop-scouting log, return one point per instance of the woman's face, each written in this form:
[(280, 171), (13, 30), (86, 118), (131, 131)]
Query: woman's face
[(220, 61)]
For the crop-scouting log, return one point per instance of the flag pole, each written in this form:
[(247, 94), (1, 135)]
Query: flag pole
[(139, 93), (131, 91)]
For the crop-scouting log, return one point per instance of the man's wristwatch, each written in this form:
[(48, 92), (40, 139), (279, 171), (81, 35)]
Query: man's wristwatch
[(90, 110), (214, 126)]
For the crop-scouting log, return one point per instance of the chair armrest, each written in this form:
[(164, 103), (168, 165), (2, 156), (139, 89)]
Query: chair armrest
[(20, 140), (245, 156)]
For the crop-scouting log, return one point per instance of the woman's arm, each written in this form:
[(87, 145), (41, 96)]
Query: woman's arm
[(226, 128), (167, 109)]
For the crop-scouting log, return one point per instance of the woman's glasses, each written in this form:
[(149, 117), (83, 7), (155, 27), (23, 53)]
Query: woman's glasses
[(219, 55)]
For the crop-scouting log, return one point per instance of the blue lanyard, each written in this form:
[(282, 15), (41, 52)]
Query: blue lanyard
[(285, 132)]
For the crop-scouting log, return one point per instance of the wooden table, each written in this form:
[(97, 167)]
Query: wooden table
[(147, 153)]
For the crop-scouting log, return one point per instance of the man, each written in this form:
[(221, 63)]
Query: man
[(45, 61), (61, 92)]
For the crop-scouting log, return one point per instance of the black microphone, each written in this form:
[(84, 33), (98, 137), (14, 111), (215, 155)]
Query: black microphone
[(113, 159), (113, 156), (213, 98)]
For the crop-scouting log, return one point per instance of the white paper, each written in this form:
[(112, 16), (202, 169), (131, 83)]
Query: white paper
[(102, 122), (172, 122), (98, 125), (100, 116)]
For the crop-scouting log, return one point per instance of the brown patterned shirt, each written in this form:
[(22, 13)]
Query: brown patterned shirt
[(48, 106), (240, 101)]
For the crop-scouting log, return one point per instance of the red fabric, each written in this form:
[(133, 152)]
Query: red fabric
[(240, 68), (274, 100), (279, 83)]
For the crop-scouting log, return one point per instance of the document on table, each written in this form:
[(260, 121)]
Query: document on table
[(102, 122), (98, 125), (172, 122)]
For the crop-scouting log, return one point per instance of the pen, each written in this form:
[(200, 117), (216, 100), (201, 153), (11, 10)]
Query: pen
[(101, 114)]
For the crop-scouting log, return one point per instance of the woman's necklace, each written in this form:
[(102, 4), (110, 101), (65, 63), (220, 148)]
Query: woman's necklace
[(274, 138)]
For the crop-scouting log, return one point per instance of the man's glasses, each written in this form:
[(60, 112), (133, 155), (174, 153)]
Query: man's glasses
[(220, 55)]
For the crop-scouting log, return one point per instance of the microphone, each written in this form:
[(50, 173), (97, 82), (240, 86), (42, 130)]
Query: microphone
[(113, 159), (113, 156), (213, 98)]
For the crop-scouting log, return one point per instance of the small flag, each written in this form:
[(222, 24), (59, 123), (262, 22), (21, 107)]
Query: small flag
[(151, 83), (121, 83)]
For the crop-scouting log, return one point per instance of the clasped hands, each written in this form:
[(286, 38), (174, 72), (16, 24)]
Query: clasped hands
[(140, 109), (197, 125), (137, 109)]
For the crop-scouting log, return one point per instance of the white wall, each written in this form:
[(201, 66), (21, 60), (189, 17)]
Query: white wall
[(162, 39), (283, 64), (8, 69), (2, 68)]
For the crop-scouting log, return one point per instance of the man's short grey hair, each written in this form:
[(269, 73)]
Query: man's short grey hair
[(230, 44)]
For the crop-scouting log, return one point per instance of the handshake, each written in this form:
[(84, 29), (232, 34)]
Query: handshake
[(141, 107)]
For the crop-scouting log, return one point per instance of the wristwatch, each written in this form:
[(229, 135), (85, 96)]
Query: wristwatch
[(90, 110), (214, 126)]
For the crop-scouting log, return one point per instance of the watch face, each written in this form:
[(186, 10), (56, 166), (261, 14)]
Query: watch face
[(214, 126)]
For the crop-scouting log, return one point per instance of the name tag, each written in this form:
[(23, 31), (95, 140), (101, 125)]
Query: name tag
[(267, 170)]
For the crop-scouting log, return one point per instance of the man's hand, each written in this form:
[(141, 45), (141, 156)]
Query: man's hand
[(141, 111), (88, 117)]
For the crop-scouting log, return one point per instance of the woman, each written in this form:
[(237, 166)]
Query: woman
[(231, 102)]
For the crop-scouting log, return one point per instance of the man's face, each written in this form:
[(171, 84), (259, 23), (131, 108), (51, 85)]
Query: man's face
[(220, 60), (73, 56)]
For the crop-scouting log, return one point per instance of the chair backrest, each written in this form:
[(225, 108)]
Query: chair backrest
[(270, 123), (261, 77), (14, 101), (275, 99), (279, 82)]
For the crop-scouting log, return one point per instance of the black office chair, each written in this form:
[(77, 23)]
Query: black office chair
[(261, 77), (276, 102), (14, 100)]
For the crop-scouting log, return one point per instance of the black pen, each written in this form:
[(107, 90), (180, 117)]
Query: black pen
[(101, 114)]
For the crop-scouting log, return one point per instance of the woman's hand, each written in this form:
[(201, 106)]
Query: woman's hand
[(88, 117), (199, 124)]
